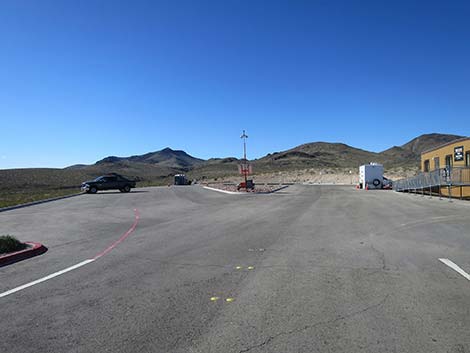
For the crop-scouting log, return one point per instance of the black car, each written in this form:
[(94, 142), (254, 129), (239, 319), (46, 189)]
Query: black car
[(111, 181)]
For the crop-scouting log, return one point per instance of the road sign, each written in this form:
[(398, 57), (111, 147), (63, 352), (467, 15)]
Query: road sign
[(458, 153), (245, 169)]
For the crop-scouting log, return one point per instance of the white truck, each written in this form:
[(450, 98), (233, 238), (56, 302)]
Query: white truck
[(371, 176)]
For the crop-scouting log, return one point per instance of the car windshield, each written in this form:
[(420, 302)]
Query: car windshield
[(99, 178)]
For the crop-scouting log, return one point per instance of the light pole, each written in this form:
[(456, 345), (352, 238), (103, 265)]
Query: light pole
[(244, 136)]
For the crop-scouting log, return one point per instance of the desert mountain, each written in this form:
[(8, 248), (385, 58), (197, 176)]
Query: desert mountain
[(151, 166), (409, 153), (317, 154), (158, 167), (340, 155), (425, 142), (309, 155), (162, 164), (166, 157), (329, 156)]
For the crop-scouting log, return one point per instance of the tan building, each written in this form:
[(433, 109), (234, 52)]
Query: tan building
[(455, 153), (454, 156)]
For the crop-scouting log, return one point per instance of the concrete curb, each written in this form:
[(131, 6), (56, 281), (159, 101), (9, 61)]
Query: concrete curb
[(34, 250), (224, 191), (276, 190), (244, 193), (8, 208)]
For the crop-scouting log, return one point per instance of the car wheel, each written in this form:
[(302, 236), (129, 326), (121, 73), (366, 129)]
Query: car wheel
[(121, 190), (127, 188), (376, 182), (93, 190)]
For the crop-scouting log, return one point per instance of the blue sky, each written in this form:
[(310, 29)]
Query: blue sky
[(81, 80)]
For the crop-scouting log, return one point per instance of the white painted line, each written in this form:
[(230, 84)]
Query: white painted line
[(225, 191), (455, 268), (68, 269)]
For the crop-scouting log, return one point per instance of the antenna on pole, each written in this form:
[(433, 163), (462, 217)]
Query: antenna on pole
[(244, 136), (244, 165)]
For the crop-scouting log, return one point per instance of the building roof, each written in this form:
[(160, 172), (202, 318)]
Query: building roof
[(446, 144)]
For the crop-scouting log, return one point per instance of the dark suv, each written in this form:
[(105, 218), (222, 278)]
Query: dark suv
[(111, 181)]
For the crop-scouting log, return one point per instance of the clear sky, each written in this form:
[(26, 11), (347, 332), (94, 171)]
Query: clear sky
[(81, 80)]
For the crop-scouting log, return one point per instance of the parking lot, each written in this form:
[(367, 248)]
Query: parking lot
[(185, 269)]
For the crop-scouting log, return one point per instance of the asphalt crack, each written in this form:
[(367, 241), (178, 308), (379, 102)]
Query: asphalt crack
[(317, 324), (381, 256)]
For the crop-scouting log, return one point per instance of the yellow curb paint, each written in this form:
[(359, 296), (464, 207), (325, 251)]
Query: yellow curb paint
[(229, 300), (238, 267), (213, 299), (251, 267)]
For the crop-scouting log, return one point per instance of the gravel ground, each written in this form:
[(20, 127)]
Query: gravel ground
[(316, 176), (258, 188)]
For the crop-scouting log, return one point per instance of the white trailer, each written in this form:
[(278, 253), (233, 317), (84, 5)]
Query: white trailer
[(371, 175)]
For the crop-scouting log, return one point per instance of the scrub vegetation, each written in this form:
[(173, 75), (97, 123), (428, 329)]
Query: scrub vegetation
[(312, 162), (19, 186), (9, 243)]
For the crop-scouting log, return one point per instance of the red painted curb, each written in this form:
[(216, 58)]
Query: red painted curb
[(34, 250)]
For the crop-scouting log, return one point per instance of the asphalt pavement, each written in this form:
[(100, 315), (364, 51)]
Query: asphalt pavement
[(185, 269)]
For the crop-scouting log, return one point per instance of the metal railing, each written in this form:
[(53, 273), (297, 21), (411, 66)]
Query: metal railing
[(444, 177)]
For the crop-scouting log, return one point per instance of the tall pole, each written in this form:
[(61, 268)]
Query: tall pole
[(244, 136)]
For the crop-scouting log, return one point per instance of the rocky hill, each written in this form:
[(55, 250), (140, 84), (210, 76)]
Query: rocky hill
[(338, 157), (158, 167), (316, 155), (309, 155), (409, 153), (166, 157)]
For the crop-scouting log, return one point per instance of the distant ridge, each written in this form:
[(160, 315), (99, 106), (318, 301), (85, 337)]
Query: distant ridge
[(425, 142), (167, 157), (318, 154), (166, 162), (340, 155), (410, 152), (158, 167)]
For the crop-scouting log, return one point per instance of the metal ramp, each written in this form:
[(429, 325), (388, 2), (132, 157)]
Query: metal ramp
[(450, 181)]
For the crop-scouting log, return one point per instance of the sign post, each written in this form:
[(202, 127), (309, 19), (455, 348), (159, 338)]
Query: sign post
[(244, 167)]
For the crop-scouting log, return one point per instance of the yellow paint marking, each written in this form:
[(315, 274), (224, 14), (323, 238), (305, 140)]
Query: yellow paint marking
[(238, 267), (229, 300), (213, 299), (251, 267)]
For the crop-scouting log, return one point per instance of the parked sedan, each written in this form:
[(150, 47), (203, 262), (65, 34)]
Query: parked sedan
[(111, 181)]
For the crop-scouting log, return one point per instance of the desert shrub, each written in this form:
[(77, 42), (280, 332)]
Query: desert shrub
[(10, 244)]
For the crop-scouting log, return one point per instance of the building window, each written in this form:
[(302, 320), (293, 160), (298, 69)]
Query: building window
[(426, 165), (467, 159), (436, 163), (449, 161)]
